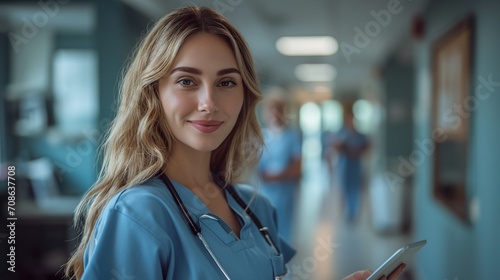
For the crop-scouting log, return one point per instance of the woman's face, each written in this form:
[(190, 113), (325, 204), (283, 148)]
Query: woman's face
[(202, 94)]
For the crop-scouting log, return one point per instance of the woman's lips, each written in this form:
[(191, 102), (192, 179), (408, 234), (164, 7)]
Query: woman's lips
[(206, 126)]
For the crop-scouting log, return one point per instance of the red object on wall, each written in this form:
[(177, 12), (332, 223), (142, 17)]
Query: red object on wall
[(417, 27)]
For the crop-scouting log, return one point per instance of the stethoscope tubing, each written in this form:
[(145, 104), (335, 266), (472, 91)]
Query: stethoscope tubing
[(207, 247), (195, 228)]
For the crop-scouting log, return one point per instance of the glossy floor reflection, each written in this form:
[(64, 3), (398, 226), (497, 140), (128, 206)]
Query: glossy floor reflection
[(328, 247)]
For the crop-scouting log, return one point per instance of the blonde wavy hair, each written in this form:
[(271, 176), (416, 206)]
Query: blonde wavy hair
[(139, 142)]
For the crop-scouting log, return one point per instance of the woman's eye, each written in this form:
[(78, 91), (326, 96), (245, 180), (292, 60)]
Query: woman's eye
[(186, 82), (227, 84)]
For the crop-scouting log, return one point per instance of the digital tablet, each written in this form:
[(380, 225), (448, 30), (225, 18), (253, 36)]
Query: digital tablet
[(402, 255)]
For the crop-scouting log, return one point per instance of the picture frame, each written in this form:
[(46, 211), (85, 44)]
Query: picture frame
[(451, 76)]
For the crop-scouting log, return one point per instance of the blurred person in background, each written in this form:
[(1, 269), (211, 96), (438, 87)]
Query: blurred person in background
[(280, 165), (329, 156), (350, 145)]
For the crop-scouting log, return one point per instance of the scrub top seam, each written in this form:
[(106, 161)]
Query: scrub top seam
[(138, 223)]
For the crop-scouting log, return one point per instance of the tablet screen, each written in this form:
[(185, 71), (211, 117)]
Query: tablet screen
[(402, 255)]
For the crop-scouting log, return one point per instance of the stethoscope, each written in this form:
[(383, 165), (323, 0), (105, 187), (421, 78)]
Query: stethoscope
[(195, 228)]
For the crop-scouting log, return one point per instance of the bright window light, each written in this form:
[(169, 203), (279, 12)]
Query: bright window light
[(331, 111), (307, 45), (310, 118), (315, 72), (365, 115)]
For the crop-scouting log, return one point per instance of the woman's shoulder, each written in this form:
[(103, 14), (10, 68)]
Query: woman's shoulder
[(146, 195), (147, 204)]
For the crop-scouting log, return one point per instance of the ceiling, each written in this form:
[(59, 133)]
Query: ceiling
[(262, 22), (75, 17)]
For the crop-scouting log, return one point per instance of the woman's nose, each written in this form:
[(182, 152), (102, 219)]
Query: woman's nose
[(207, 101)]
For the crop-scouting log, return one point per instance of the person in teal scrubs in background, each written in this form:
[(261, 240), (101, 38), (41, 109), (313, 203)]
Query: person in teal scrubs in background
[(351, 146), (280, 165), (164, 206)]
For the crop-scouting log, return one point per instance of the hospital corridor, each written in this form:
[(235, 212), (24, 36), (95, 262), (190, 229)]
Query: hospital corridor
[(359, 126), (330, 247)]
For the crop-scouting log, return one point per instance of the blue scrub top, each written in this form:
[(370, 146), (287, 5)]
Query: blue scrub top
[(141, 234), (350, 167), (282, 148)]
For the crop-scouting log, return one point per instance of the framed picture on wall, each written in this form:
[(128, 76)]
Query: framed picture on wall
[(451, 75), (452, 58)]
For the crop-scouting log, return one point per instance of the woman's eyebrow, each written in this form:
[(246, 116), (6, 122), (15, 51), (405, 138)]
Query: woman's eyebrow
[(199, 72), (187, 69), (227, 71)]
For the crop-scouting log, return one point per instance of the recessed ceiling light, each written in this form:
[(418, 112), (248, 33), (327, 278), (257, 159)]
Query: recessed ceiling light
[(315, 72), (307, 45)]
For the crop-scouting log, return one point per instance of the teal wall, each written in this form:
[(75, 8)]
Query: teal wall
[(398, 76), (457, 250), (399, 91), (487, 132)]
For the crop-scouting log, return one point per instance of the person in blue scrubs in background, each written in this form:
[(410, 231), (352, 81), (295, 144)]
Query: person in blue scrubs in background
[(351, 145), (184, 133), (280, 165)]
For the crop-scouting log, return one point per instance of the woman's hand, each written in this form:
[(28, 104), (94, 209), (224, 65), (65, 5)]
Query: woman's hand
[(363, 274), (359, 275)]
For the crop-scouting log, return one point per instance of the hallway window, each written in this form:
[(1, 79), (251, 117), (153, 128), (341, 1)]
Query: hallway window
[(75, 91), (310, 124), (331, 113), (365, 116)]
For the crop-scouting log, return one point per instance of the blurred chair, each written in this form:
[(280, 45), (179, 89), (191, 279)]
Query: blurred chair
[(46, 190), (40, 173)]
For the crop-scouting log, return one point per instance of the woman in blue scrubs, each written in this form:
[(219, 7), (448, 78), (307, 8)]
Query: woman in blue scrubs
[(164, 206)]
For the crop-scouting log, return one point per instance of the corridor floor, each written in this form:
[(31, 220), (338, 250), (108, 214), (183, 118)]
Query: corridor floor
[(328, 247)]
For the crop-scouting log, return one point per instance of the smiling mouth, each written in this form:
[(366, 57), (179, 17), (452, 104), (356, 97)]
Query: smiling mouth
[(206, 126)]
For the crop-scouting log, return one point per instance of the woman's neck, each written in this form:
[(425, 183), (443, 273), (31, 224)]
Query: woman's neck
[(189, 167)]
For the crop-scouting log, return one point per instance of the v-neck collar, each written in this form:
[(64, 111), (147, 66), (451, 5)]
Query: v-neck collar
[(197, 208)]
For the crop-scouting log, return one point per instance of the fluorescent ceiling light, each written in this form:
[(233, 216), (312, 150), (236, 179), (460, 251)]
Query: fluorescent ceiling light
[(315, 72), (307, 45)]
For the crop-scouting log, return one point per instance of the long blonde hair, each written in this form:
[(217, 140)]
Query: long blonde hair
[(139, 142)]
